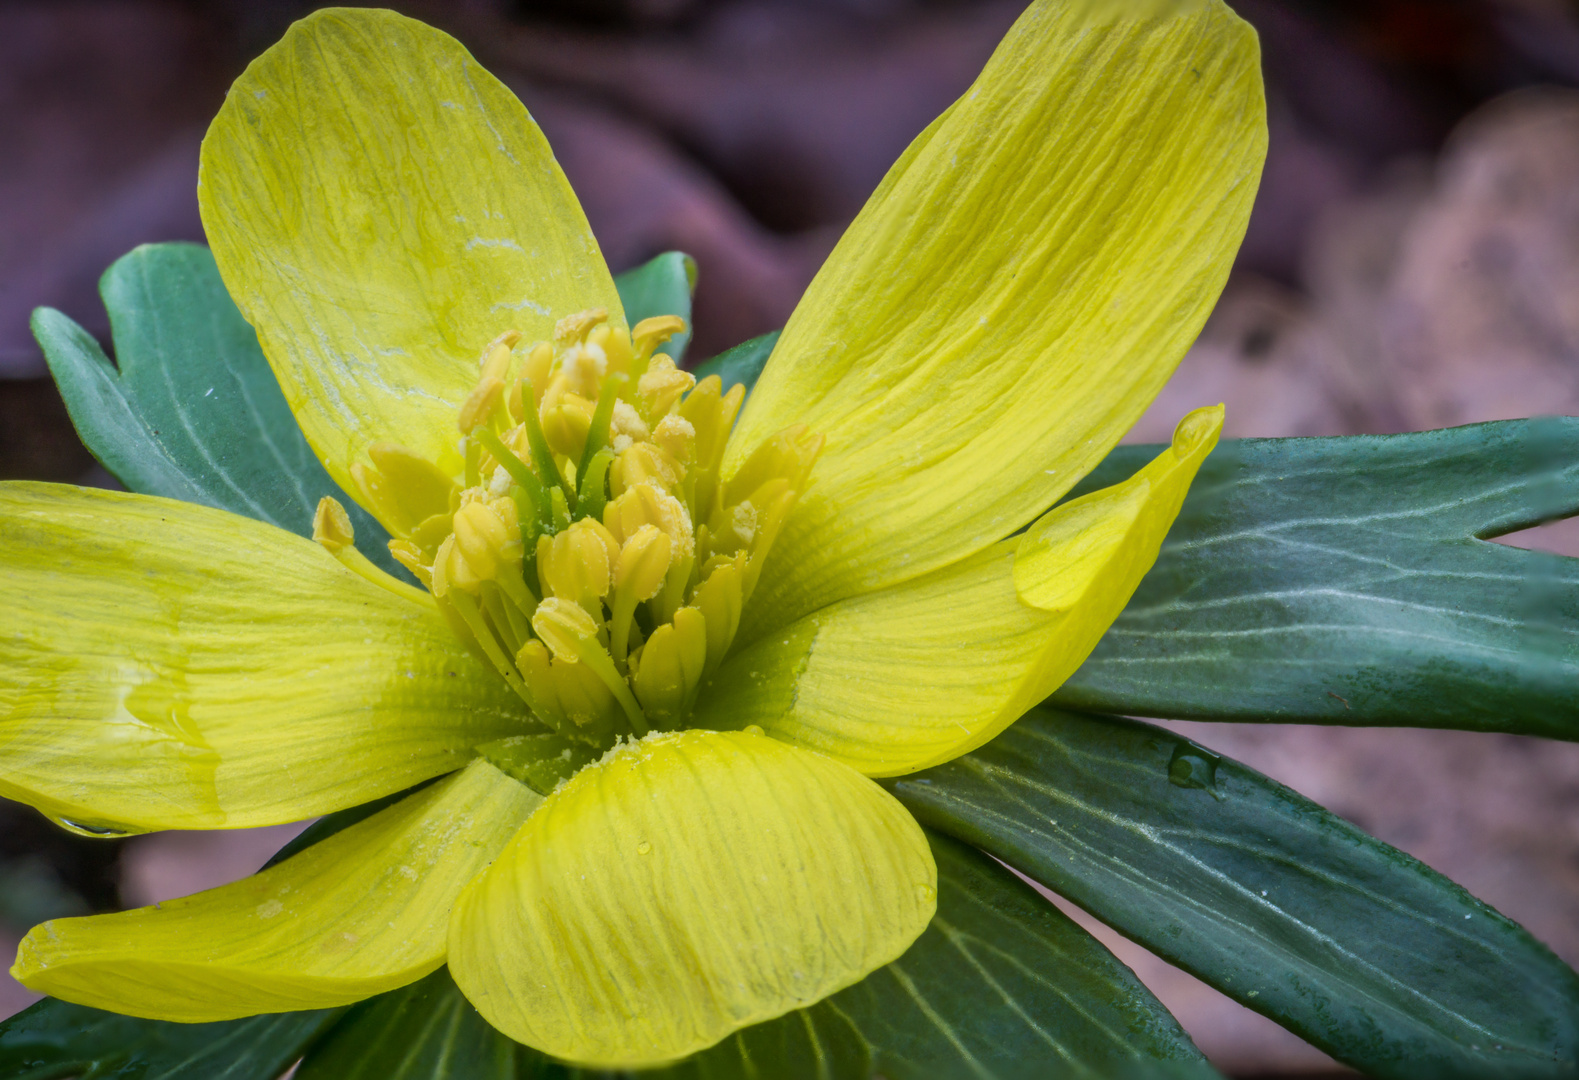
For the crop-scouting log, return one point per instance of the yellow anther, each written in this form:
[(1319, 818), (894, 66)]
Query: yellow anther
[(645, 463), (578, 564), (572, 636), (566, 424), (662, 386), (566, 628), (671, 667), (647, 505), (332, 529), (583, 367), (480, 406), (485, 546), (539, 362), (643, 563), (648, 334), (627, 423), (677, 437), (576, 327), (616, 346), (332, 526), (639, 574), (496, 357), (487, 534)]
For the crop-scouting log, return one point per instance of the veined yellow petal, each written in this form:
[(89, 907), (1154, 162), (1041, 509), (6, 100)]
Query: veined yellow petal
[(360, 913), (683, 888), (382, 208), (171, 666), (922, 672), (1013, 296)]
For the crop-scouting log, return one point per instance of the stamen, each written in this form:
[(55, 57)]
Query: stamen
[(333, 531), (590, 477), (571, 635)]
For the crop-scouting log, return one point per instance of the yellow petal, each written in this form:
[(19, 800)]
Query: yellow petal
[(922, 672), (360, 913), (1012, 297), (170, 666), (382, 208), (685, 887)]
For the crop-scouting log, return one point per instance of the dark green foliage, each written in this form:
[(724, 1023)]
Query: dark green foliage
[(1345, 581), (1348, 942), (740, 365), (53, 1041), (661, 286), (190, 409)]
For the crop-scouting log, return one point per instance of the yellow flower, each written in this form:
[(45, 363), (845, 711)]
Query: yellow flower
[(660, 653)]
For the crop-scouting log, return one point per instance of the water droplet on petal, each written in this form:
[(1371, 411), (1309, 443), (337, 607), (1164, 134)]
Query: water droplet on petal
[(97, 832), (643, 848), (925, 893), (753, 729)]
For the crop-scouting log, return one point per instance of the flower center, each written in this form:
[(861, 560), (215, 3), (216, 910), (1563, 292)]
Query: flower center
[(591, 551)]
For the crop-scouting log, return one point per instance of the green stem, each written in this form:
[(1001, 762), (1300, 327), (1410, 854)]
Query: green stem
[(602, 417), (542, 456)]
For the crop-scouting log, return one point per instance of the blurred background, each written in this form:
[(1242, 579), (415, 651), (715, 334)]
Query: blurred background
[(1412, 262)]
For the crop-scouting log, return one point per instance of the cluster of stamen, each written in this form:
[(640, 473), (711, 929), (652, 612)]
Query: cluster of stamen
[(590, 550)]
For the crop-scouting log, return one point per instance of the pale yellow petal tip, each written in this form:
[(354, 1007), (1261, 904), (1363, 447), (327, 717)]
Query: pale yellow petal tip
[(1197, 433), (684, 887), (1091, 542)]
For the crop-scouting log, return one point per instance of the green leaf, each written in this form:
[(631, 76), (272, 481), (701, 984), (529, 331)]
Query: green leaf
[(192, 411), (1353, 945), (53, 1040), (425, 1031), (661, 286), (1002, 984), (1347, 581), (742, 364)]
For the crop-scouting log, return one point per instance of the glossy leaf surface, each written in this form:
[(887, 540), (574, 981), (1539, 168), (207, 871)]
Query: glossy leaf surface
[(661, 286), (1348, 942), (740, 365), (190, 409), (53, 1040), (1345, 581)]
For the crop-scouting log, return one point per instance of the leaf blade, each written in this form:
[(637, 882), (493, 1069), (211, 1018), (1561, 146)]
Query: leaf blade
[(663, 285), (1261, 893), (193, 411), (52, 1040), (1344, 581)]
